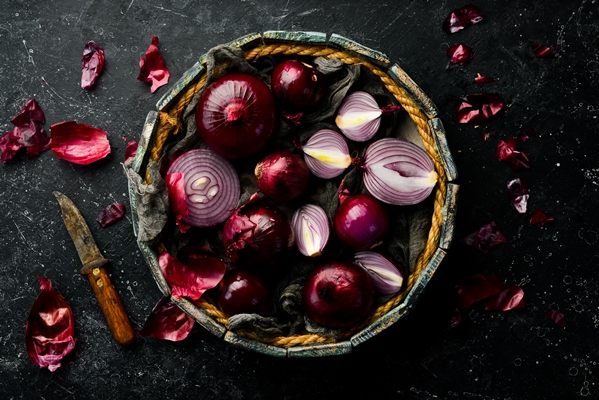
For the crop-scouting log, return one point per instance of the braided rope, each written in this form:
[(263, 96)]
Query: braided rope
[(170, 124)]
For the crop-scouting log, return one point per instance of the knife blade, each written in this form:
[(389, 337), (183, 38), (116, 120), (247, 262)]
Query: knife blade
[(93, 267)]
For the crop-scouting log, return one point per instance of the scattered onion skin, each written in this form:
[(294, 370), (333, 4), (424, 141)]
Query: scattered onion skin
[(300, 86), (361, 222), (338, 294), (282, 175), (207, 176), (241, 292), (236, 115), (398, 172)]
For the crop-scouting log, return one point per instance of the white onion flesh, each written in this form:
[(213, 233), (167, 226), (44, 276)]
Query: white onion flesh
[(311, 227), (359, 116), (326, 153)]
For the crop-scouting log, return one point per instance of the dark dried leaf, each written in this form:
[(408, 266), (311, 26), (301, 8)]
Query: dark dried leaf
[(111, 214), (539, 218), (78, 143), (461, 18), (510, 298), (167, 321), (478, 107), (92, 64), (506, 152), (460, 53), (50, 328), (557, 317), (152, 68), (518, 192), (541, 51), (485, 238)]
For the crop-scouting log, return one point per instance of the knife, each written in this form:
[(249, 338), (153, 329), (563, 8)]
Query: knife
[(93, 267)]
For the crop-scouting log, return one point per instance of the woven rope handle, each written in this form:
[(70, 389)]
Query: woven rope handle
[(170, 124)]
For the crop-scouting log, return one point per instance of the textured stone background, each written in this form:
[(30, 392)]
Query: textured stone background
[(512, 355)]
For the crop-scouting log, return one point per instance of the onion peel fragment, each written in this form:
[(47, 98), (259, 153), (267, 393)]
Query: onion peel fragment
[(460, 54), (506, 151), (27, 133), (175, 184), (557, 317), (152, 68), (111, 214), (510, 298), (201, 273), (518, 193), (485, 238), (92, 64), (78, 143), (50, 328), (461, 18), (539, 218), (167, 322), (478, 107)]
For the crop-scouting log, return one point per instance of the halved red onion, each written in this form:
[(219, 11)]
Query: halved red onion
[(384, 273), (359, 116), (398, 172), (311, 227), (211, 186), (326, 154)]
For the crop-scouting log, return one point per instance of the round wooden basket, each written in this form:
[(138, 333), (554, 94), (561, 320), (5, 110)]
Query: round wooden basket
[(166, 121)]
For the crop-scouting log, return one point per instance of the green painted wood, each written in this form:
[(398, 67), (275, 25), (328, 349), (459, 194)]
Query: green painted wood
[(380, 324), (424, 278), (359, 50), (145, 140), (189, 76), (320, 350), (402, 79), (299, 37), (244, 42), (152, 261), (253, 345), (200, 316), (448, 214), (438, 132)]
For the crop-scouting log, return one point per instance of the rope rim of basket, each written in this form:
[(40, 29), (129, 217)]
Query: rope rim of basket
[(170, 124)]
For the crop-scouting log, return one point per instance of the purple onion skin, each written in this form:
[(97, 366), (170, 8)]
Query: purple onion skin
[(257, 235), (236, 115), (298, 85), (361, 222), (338, 294), (242, 292), (282, 175)]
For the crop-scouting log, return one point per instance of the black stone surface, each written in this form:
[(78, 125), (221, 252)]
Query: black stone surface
[(512, 355)]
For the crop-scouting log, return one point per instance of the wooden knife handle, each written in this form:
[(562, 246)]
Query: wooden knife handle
[(111, 305)]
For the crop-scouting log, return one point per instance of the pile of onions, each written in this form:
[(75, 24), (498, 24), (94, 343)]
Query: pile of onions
[(311, 227), (282, 175), (236, 115), (327, 154), (210, 184), (398, 172), (258, 235), (361, 222)]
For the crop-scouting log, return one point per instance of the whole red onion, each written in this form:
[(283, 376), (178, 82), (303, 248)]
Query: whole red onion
[(338, 294), (236, 115), (298, 85), (241, 291), (361, 222), (258, 235), (282, 175)]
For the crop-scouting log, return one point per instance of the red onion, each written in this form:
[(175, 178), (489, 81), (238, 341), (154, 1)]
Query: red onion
[(359, 116), (258, 235), (326, 154), (297, 84), (361, 222), (311, 227), (242, 292), (383, 271), (338, 294), (398, 172), (282, 176), (236, 115), (211, 187)]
